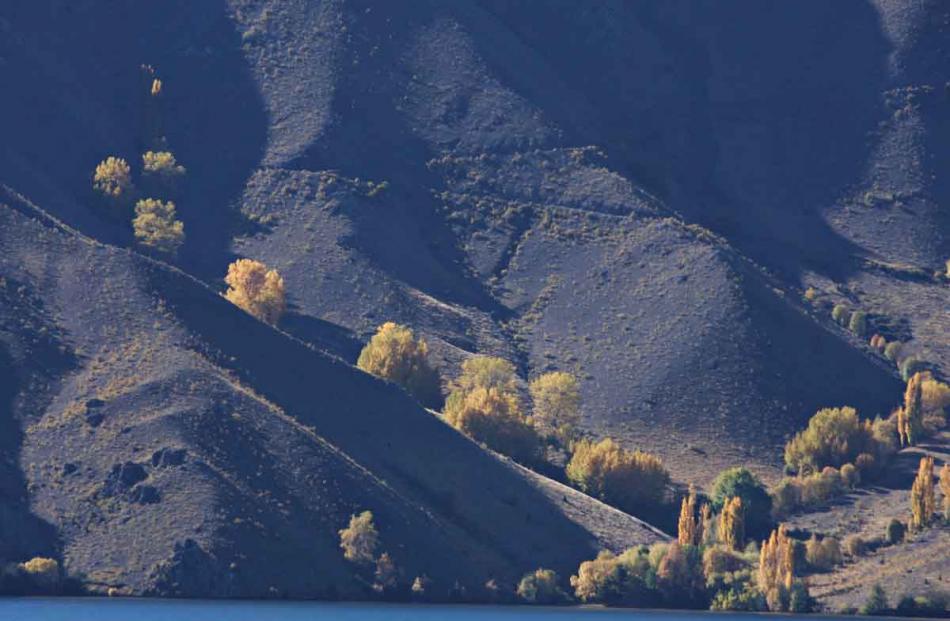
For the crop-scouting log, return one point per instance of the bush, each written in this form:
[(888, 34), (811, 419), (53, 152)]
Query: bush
[(632, 480), (834, 437), (933, 604), (155, 225), (486, 372), (850, 476), (858, 323), (823, 554), (360, 538), (394, 354), (43, 571), (493, 418), (256, 290), (740, 482), (876, 603), (541, 587), (855, 546), (113, 178), (895, 531), (910, 366), (627, 580), (878, 342), (386, 574), (892, 350), (556, 397), (162, 164), (679, 575), (840, 314)]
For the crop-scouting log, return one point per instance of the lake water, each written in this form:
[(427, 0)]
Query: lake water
[(98, 609)]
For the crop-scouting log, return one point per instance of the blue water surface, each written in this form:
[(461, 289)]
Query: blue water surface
[(101, 609)]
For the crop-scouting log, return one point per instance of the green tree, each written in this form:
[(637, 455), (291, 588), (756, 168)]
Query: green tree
[(876, 603), (739, 482), (541, 587)]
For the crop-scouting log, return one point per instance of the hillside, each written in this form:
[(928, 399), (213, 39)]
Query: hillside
[(639, 193)]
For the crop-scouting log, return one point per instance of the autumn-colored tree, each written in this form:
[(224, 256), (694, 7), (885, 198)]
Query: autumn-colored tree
[(679, 574), (878, 342), (690, 528), (494, 418), (155, 225), (893, 350), (834, 436), (156, 87), (161, 164), (541, 587), (945, 490), (732, 524), (823, 554), (922, 500), (113, 179), (777, 569), (556, 397), (256, 289), (629, 479), (43, 571), (394, 353), (387, 574), (756, 501), (360, 538), (910, 418)]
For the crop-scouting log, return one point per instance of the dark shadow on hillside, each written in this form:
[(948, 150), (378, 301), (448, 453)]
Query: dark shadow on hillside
[(381, 428), (28, 360), (756, 155), (405, 235), (78, 98), (324, 335)]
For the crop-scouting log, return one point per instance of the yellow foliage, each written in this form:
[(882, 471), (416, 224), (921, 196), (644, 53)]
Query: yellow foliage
[(45, 570), (256, 289), (360, 538), (824, 553), (834, 436), (541, 587), (155, 225), (161, 163), (910, 418), (396, 355), (945, 489), (690, 526), (557, 400), (732, 524), (486, 372), (923, 502), (493, 417), (629, 479), (156, 87), (113, 178), (777, 567)]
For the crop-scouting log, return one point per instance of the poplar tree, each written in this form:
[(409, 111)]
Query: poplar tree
[(732, 524), (922, 501)]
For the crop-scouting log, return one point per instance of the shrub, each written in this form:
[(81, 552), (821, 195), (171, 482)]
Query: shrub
[(922, 500), (892, 350), (858, 323), (256, 290), (493, 418), (810, 294), (556, 397), (895, 531), (823, 554), (486, 372), (910, 366), (732, 523), (855, 546), (541, 587), (876, 603), (396, 355), (786, 498), (386, 574), (360, 538), (155, 225), (628, 579), (161, 164), (840, 314), (934, 400), (850, 476), (156, 87), (113, 178), (628, 479), (878, 342), (740, 482), (834, 436), (43, 571)]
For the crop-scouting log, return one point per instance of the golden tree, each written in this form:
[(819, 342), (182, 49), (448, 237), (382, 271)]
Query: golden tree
[(945, 489), (557, 400), (777, 568), (922, 500), (156, 87), (690, 527), (732, 524), (486, 372), (256, 289), (161, 163), (113, 178), (493, 417), (910, 417), (155, 225), (629, 479), (396, 355), (360, 538)]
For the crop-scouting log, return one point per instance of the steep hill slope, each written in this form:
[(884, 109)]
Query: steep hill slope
[(179, 446)]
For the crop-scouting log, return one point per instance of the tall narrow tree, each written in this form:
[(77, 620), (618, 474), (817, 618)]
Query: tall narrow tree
[(922, 500)]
